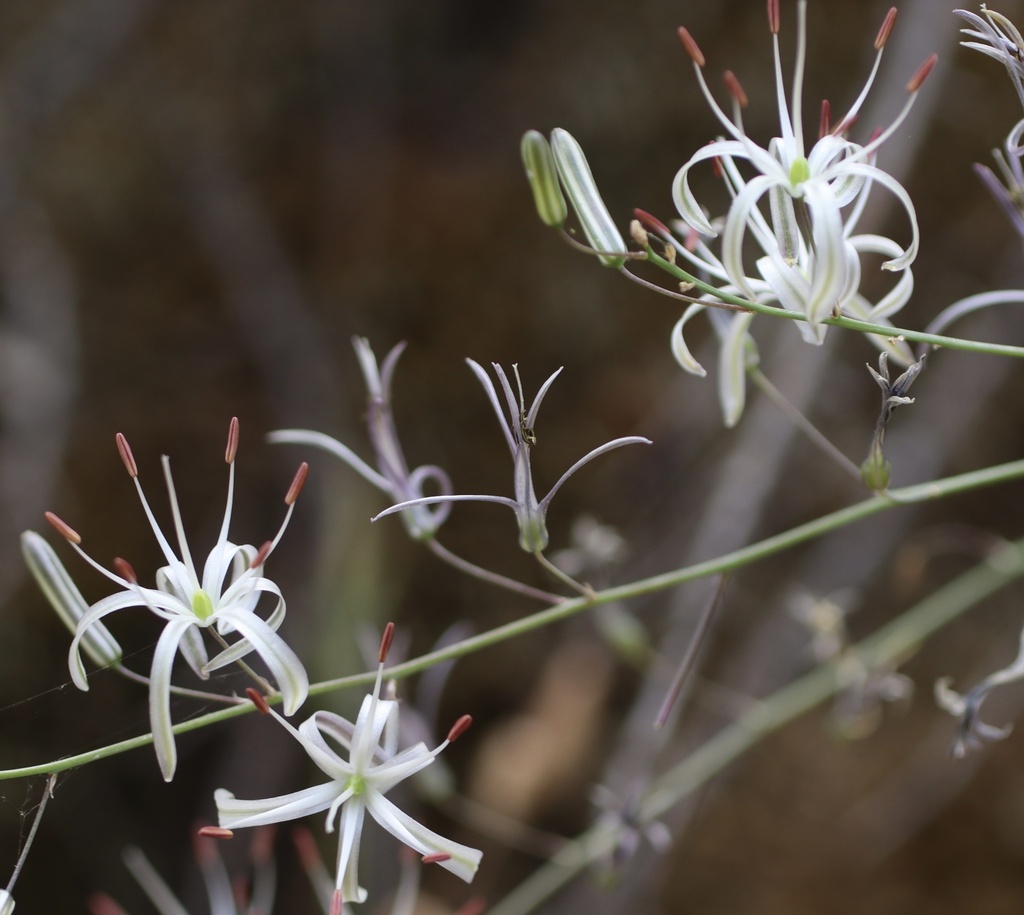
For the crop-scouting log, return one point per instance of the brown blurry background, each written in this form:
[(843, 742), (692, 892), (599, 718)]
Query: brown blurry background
[(202, 202)]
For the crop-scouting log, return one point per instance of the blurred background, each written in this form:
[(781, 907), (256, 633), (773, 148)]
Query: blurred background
[(201, 202)]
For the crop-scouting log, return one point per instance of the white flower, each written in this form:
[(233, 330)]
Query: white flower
[(517, 427), (808, 265), (357, 786), (223, 600), (810, 260)]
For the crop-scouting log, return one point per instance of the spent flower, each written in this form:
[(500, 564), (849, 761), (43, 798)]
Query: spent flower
[(392, 474), (223, 600), (517, 425), (357, 785)]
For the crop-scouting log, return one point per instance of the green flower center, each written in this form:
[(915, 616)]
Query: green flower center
[(357, 784), (202, 606), (799, 171)]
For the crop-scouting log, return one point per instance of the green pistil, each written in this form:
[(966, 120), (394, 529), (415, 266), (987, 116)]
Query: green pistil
[(799, 171), (202, 606), (357, 784)]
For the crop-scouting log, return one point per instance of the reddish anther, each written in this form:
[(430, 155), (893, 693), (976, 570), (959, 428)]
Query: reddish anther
[(261, 555), (732, 83), (437, 857), (474, 906), (215, 832), (336, 903), (922, 74), (716, 167), (124, 449), (651, 223), (459, 728), (825, 123), (774, 18), (102, 904), (297, 483), (691, 47), (259, 700), (124, 568), (65, 530), (385, 642), (886, 29), (232, 448)]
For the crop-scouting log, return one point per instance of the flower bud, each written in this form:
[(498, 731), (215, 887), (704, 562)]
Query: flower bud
[(543, 178), (67, 600), (582, 192)]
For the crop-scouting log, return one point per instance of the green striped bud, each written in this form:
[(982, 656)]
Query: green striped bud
[(67, 600), (543, 178), (582, 192)]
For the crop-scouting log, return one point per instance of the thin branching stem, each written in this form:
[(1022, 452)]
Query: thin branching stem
[(921, 492)]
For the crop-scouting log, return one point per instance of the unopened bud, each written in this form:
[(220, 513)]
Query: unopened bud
[(54, 581), (582, 192), (543, 177)]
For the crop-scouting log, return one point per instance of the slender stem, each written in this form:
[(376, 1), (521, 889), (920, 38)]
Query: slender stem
[(886, 646), (881, 330), (583, 589), (176, 690), (692, 651), (921, 492), (47, 794), (265, 687), (464, 565), (803, 423)]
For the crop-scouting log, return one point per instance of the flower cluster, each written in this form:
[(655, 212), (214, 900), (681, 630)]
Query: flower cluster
[(810, 260)]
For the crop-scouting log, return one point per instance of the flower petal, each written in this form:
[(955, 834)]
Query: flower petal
[(160, 695), (464, 860)]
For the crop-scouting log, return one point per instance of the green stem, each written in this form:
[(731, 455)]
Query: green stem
[(921, 492), (886, 646), (881, 330)]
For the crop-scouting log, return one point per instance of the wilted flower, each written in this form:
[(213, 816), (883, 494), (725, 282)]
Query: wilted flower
[(517, 427), (997, 37), (973, 732), (223, 601), (392, 474), (358, 785)]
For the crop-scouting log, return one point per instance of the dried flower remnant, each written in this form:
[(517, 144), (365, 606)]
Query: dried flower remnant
[(876, 469), (223, 600), (518, 428), (358, 786)]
